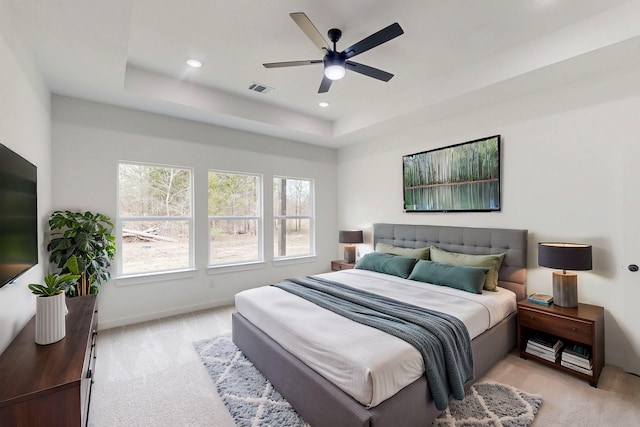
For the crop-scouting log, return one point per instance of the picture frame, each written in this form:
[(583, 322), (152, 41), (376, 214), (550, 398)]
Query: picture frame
[(464, 177)]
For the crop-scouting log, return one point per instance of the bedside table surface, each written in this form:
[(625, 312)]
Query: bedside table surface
[(582, 311)]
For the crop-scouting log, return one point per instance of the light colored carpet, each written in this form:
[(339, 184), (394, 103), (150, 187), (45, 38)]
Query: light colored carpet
[(252, 401), (149, 375)]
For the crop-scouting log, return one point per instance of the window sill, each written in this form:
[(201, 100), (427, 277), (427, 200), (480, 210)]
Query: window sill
[(139, 279), (283, 262), (232, 268)]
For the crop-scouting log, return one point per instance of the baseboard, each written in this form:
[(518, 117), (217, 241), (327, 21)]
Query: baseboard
[(124, 321)]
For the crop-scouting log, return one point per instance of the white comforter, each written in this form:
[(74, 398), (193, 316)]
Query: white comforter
[(364, 362)]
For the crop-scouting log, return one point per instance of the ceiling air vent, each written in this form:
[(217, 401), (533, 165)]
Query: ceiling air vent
[(260, 88)]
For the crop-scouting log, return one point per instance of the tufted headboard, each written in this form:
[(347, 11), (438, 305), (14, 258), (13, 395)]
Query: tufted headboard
[(468, 240)]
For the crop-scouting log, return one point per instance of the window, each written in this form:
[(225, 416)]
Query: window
[(235, 218), (293, 217), (155, 219)]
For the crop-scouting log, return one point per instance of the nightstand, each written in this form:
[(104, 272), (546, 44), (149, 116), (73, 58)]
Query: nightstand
[(582, 325), (338, 265)]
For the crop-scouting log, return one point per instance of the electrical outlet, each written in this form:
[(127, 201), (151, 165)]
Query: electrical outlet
[(212, 283)]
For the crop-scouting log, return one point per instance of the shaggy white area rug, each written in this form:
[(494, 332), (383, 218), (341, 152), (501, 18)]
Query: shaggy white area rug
[(491, 404)]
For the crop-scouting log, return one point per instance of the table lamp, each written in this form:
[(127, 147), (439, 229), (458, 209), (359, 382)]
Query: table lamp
[(350, 238), (565, 256)]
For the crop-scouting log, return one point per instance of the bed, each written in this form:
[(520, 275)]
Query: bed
[(323, 403)]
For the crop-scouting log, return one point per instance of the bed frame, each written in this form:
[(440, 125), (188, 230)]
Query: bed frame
[(321, 403)]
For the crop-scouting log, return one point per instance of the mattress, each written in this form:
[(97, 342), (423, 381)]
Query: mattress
[(349, 354)]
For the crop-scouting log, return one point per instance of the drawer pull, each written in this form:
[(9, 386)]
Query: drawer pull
[(574, 329), (531, 318)]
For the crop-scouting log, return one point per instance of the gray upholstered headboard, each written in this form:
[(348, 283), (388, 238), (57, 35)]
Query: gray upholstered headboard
[(513, 273)]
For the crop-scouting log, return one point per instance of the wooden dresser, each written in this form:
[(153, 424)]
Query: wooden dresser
[(51, 384)]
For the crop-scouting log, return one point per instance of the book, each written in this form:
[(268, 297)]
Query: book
[(577, 363), (542, 299), (546, 340), (576, 367), (585, 363), (542, 303), (542, 348), (542, 354), (578, 350)]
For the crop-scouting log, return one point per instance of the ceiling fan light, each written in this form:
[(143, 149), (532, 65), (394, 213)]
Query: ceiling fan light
[(334, 71)]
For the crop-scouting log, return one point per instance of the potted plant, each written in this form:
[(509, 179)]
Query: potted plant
[(50, 304), (88, 238)]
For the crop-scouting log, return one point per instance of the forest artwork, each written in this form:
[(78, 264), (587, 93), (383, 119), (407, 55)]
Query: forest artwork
[(462, 177)]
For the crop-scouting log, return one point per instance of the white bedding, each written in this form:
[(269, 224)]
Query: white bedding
[(349, 354)]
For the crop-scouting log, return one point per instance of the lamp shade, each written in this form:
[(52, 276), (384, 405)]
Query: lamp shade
[(565, 256), (350, 236)]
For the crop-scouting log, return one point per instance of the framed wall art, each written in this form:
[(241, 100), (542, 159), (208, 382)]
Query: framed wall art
[(459, 178)]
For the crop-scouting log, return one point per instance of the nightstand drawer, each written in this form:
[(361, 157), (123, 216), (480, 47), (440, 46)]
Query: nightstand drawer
[(341, 265), (564, 327)]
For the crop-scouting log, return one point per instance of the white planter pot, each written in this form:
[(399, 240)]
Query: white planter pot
[(50, 323)]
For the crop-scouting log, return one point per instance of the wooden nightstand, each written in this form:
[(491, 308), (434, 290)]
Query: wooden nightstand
[(339, 264), (583, 325)]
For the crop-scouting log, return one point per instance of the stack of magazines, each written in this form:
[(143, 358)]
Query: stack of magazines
[(578, 358), (541, 299), (544, 346)]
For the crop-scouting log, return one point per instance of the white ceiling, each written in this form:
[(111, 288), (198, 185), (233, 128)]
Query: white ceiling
[(454, 55)]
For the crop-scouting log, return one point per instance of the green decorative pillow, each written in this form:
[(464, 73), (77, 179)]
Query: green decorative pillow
[(419, 253), (491, 261), (395, 265), (469, 279)]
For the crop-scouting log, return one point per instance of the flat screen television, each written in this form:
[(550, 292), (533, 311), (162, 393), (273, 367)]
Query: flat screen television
[(18, 215), (459, 178)]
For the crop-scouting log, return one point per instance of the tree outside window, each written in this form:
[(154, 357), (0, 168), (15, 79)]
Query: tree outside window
[(235, 218), (293, 217), (155, 219)]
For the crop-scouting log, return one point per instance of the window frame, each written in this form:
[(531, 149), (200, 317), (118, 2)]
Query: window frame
[(311, 217), (259, 220), (120, 220)]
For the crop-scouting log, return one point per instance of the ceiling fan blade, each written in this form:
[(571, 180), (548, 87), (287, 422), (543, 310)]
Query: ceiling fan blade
[(384, 35), (368, 71), (325, 85), (310, 30), (292, 63)]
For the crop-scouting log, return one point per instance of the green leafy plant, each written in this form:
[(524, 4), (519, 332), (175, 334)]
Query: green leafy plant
[(55, 284), (88, 238)]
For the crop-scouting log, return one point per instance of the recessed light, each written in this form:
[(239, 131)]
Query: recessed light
[(195, 63), (323, 104)]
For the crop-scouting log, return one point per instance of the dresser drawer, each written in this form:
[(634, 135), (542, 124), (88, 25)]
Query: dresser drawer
[(564, 327)]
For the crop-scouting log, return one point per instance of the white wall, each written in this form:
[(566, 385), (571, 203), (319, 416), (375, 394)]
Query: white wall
[(561, 179), (24, 128), (88, 141)]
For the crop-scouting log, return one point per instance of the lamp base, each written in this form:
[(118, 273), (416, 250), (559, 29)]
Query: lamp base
[(350, 253), (565, 289)]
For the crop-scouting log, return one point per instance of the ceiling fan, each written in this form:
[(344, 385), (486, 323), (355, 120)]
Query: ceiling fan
[(336, 63)]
